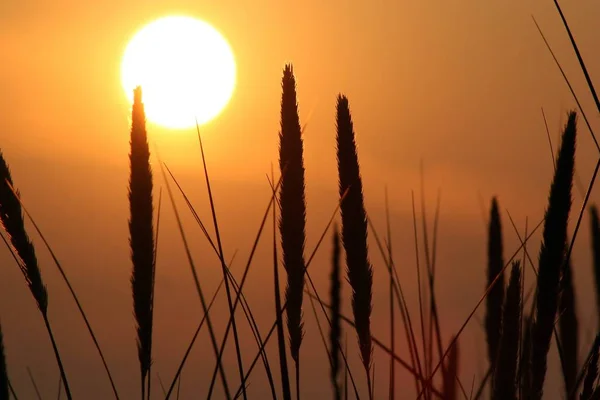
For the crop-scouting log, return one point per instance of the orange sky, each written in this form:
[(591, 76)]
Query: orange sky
[(456, 84)]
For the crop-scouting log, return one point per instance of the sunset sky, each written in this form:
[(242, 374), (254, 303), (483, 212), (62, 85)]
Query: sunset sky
[(457, 85)]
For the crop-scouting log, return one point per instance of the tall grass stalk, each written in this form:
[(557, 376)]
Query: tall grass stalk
[(141, 238), (354, 233), (495, 300), (383, 347), (23, 251), (176, 379), (283, 364), (433, 318), (527, 257), (569, 85), (190, 259), (392, 384), (284, 306), (246, 309), (420, 294), (579, 57), (472, 313), (238, 288), (74, 295), (292, 213), (232, 322), (336, 328), (405, 314), (552, 256), (325, 313), (434, 321), (504, 382)]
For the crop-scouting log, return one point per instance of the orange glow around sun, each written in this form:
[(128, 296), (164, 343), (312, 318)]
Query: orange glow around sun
[(186, 69)]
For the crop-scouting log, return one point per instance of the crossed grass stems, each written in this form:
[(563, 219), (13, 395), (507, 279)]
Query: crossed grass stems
[(528, 372)]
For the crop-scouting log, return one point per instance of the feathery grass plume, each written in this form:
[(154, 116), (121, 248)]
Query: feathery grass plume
[(505, 369), (568, 328), (591, 375), (141, 236), (336, 328), (450, 374), (595, 235), (495, 299), (12, 221), (11, 215), (293, 211), (354, 231), (4, 385), (552, 254)]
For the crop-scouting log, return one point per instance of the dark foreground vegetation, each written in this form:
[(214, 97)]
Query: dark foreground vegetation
[(519, 333)]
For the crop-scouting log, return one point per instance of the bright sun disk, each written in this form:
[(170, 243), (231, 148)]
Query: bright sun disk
[(186, 69)]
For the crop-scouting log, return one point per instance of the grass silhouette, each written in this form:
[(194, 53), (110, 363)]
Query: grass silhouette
[(518, 340)]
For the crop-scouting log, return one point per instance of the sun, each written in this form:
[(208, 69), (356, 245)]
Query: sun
[(185, 67)]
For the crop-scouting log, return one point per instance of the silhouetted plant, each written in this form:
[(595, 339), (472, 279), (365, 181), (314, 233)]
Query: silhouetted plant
[(23, 251), (505, 371), (354, 232), (552, 256), (292, 212), (283, 364), (336, 328), (495, 298), (141, 237)]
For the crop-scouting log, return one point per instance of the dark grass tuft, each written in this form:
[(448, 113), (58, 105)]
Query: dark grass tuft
[(552, 254), (495, 298), (292, 211), (141, 236), (505, 371), (354, 231)]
